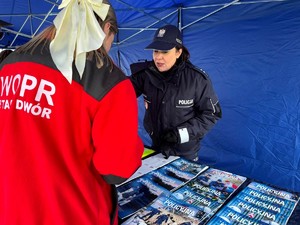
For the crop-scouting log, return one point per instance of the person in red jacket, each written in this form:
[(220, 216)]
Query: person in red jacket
[(69, 124)]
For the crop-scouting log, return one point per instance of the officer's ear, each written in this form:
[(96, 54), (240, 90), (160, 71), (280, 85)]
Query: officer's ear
[(178, 52)]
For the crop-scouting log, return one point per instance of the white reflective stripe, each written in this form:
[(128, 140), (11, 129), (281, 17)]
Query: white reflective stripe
[(184, 135), (213, 105)]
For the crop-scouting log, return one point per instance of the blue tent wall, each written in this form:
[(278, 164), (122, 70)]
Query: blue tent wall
[(255, 66), (252, 54)]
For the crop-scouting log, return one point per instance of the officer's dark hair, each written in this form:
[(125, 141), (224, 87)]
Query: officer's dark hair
[(185, 55)]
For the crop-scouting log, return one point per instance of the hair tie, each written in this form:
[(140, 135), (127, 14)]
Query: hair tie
[(77, 32)]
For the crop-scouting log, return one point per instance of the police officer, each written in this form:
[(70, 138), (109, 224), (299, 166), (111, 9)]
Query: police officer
[(180, 102)]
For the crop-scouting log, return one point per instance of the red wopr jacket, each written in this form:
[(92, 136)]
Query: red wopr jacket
[(63, 146)]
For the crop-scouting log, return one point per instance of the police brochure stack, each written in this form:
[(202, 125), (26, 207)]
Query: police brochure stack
[(151, 163), (257, 204), (193, 203), (142, 190)]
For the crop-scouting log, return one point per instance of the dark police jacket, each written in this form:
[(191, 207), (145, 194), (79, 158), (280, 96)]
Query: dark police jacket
[(181, 100)]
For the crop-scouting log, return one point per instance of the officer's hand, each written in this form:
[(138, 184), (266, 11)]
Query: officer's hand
[(171, 137), (165, 150)]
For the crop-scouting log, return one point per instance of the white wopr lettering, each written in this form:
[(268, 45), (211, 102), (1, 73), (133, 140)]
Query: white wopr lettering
[(27, 84), (30, 82), (10, 83), (47, 93)]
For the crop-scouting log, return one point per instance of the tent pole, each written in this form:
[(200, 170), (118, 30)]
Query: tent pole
[(179, 18), (118, 52), (215, 11)]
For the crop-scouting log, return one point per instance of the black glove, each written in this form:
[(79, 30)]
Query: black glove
[(171, 137), (165, 150)]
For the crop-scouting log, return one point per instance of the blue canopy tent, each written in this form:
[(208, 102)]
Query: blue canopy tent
[(251, 51)]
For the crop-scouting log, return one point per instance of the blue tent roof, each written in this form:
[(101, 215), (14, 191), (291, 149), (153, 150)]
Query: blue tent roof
[(250, 49)]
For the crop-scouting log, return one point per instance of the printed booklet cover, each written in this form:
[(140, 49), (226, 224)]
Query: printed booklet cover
[(139, 192), (210, 190), (135, 195), (172, 171), (258, 204), (191, 197), (216, 184), (149, 164), (166, 210), (168, 182), (188, 166)]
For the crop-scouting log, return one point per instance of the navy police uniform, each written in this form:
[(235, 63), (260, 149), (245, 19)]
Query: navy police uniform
[(181, 101)]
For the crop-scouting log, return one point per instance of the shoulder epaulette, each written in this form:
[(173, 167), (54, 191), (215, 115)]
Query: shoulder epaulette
[(201, 71)]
